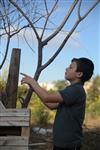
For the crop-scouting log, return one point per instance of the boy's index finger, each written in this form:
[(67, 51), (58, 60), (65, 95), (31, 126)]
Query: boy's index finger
[(23, 74)]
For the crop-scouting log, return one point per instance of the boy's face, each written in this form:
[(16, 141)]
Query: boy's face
[(70, 73)]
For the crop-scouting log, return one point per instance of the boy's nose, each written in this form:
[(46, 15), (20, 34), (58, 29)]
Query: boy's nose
[(66, 69)]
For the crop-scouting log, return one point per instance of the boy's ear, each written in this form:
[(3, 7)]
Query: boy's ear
[(79, 74)]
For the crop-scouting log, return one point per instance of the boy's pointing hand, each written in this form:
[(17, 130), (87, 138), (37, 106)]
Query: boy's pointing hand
[(26, 79)]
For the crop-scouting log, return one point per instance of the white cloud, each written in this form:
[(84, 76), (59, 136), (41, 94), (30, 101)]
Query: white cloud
[(29, 37)]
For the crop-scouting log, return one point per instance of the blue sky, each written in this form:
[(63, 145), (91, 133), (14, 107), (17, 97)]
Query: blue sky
[(84, 43)]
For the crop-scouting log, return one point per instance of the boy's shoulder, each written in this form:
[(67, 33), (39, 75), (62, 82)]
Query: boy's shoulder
[(77, 88)]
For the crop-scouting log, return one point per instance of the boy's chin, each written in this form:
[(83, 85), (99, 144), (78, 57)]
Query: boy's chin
[(66, 78)]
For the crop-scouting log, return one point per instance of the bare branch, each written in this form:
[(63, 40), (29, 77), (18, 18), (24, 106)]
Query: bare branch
[(62, 24), (61, 46), (40, 44), (48, 15), (67, 37), (20, 10), (4, 24), (86, 14), (45, 2), (79, 7), (27, 42), (8, 38), (5, 56), (17, 31)]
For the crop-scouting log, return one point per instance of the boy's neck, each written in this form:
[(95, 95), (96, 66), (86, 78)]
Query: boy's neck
[(76, 81)]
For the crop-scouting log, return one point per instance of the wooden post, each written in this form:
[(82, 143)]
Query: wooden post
[(12, 82)]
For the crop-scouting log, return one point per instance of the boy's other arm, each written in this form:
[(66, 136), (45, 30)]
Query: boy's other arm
[(52, 105), (44, 95)]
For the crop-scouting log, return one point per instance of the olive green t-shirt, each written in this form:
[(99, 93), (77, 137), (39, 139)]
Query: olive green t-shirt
[(67, 130)]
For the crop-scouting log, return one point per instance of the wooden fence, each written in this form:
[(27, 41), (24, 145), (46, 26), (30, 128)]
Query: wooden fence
[(14, 129)]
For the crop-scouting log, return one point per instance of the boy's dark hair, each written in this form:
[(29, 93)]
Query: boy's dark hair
[(86, 66)]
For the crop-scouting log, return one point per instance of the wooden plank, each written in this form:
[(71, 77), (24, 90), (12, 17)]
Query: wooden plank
[(14, 112), (14, 121), (25, 131), (14, 141), (15, 117), (12, 115), (13, 148), (11, 123)]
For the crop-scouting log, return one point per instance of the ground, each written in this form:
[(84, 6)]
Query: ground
[(91, 138)]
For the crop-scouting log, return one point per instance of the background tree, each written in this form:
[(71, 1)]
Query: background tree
[(93, 97), (21, 15), (3, 80), (60, 84), (94, 90)]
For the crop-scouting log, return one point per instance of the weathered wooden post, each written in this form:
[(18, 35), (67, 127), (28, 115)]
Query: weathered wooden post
[(12, 82)]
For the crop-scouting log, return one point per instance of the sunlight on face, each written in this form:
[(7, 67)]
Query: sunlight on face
[(70, 73)]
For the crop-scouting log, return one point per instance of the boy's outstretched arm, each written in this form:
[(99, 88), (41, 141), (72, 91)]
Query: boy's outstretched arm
[(44, 95)]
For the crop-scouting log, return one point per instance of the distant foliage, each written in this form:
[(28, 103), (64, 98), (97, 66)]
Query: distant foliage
[(60, 84), (41, 115), (3, 80), (93, 92), (93, 97), (22, 90)]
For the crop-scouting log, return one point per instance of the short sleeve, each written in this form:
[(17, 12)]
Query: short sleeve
[(72, 94)]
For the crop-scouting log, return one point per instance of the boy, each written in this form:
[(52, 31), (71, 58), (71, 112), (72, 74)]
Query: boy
[(69, 102)]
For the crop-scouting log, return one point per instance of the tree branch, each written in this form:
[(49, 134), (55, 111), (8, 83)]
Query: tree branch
[(8, 39), (61, 46), (29, 21), (27, 41), (62, 24), (7, 47), (70, 33), (86, 14), (45, 2), (17, 31), (48, 15), (79, 7)]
